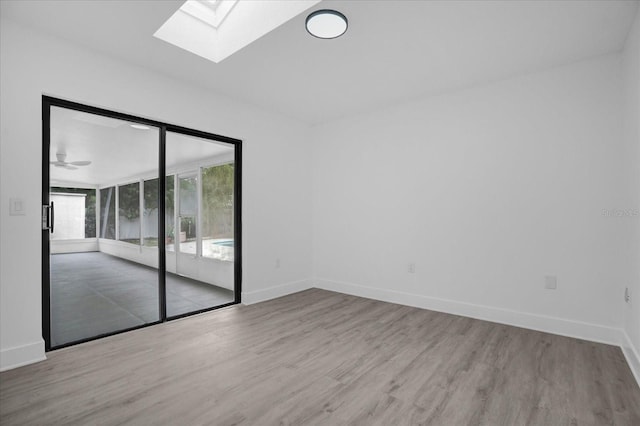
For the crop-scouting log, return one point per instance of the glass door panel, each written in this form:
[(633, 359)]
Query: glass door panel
[(200, 267), (102, 279)]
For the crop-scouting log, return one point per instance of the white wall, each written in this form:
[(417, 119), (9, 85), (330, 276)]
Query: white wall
[(631, 70), (487, 190), (276, 176), (74, 246)]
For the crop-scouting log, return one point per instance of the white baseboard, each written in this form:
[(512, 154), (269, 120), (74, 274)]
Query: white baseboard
[(251, 297), (560, 326), (632, 355), (22, 355)]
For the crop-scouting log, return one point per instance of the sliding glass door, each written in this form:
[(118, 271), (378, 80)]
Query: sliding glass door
[(122, 248)]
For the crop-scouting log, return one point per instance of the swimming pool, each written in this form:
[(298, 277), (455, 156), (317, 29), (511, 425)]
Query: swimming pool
[(225, 243)]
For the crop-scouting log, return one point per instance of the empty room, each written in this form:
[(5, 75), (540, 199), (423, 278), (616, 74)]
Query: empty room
[(320, 212)]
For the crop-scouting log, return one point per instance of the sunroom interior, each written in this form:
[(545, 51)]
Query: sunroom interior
[(104, 185)]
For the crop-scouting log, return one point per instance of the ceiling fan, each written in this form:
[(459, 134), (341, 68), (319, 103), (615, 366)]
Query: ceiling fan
[(61, 156)]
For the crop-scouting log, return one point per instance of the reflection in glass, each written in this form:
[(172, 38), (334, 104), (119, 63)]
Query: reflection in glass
[(129, 213), (108, 213)]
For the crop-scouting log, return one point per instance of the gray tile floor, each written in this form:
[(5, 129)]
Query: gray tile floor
[(95, 293)]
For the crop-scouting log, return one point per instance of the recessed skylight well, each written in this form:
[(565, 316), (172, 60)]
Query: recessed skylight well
[(211, 12), (216, 29)]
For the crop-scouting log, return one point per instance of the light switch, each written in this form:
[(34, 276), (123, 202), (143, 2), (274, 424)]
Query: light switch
[(16, 207)]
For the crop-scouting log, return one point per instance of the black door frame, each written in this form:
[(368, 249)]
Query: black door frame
[(47, 103)]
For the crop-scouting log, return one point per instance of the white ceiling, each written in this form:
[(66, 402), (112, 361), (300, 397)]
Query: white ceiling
[(120, 153), (394, 51)]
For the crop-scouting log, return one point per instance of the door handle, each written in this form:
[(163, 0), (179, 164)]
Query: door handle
[(47, 217), (51, 216)]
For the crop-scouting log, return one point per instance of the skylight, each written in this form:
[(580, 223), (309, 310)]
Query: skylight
[(211, 12), (216, 29)]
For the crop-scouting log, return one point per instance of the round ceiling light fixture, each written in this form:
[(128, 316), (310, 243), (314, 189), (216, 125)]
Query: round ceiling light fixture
[(326, 23)]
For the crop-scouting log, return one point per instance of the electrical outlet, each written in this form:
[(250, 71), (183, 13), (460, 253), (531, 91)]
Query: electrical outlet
[(550, 282), (411, 268), (627, 295), (277, 263)]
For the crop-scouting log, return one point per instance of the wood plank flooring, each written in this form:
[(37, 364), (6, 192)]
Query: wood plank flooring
[(323, 358)]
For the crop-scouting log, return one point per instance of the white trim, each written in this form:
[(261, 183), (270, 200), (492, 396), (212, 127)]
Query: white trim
[(73, 246), (554, 325), (212, 161), (631, 354), (251, 297), (130, 179), (22, 355), (68, 194), (69, 184)]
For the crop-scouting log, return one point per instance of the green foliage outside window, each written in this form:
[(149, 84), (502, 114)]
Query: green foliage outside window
[(150, 196), (129, 200), (217, 201)]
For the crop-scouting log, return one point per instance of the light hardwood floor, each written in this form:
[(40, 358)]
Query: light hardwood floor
[(318, 357)]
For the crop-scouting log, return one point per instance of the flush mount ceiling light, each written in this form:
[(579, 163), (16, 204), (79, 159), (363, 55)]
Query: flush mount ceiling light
[(326, 23)]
